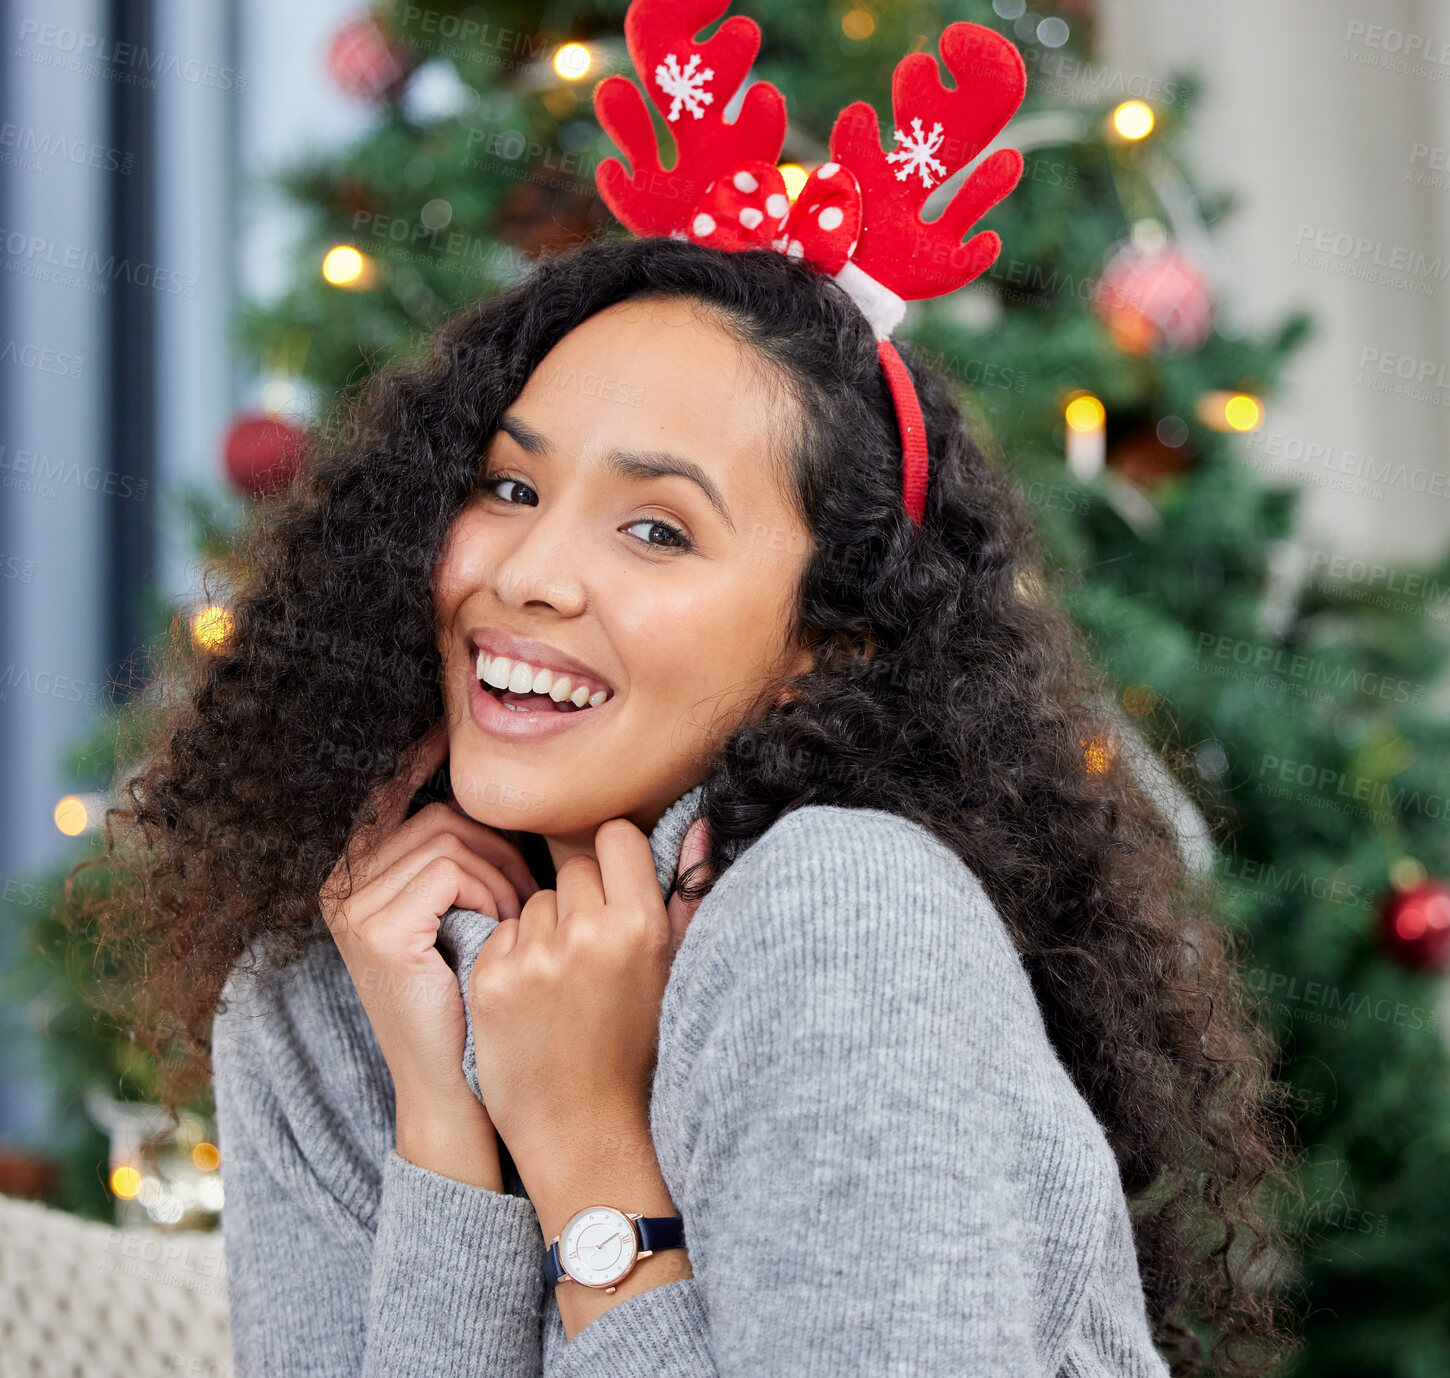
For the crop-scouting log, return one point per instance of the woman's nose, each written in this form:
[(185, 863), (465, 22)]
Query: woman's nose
[(543, 564)]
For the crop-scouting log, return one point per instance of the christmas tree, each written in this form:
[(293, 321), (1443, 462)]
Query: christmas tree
[(1099, 367)]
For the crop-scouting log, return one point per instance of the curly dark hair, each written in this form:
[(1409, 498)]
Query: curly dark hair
[(948, 687)]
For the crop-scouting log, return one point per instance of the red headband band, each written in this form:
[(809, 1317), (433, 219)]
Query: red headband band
[(858, 217)]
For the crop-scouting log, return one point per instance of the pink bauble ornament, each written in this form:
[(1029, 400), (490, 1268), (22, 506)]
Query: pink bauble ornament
[(1154, 299), (365, 62)]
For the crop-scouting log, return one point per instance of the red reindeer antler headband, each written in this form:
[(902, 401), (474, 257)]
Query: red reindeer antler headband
[(858, 217)]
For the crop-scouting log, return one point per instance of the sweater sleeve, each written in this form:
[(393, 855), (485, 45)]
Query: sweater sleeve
[(342, 1257), (848, 1191)]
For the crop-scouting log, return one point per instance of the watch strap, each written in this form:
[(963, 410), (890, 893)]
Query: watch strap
[(660, 1232), (553, 1269), (655, 1232)]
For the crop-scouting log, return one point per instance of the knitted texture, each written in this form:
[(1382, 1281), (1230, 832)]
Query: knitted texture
[(882, 1165), (462, 932)]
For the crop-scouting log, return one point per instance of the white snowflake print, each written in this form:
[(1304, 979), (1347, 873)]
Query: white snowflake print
[(685, 84), (917, 152)]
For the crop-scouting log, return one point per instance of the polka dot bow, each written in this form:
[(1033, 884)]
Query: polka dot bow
[(858, 216)]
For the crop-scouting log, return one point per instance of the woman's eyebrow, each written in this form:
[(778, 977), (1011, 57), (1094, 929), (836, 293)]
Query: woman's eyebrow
[(527, 438), (629, 463)]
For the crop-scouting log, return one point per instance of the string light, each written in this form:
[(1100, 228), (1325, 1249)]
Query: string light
[(1139, 700), (572, 60), (795, 178), (1242, 412), (1230, 411), (1407, 872), (211, 628), (1098, 754), (1087, 445), (71, 815), (345, 266), (126, 1182), (1133, 120), (1085, 412), (858, 24)]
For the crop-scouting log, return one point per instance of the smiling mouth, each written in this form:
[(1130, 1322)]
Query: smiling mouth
[(531, 703), (523, 688)]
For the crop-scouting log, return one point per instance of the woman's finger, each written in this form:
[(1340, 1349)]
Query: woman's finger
[(408, 926), (627, 875), (538, 922), (502, 853), (438, 818), (497, 945), (579, 886), (499, 899)]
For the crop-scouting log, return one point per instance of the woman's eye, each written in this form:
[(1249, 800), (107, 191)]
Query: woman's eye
[(493, 479), (675, 539)]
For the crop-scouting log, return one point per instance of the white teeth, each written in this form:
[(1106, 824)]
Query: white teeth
[(519, 677), (496, 671)]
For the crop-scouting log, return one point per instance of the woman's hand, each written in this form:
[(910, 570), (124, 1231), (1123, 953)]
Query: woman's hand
[(407, 872), (566, 1000)]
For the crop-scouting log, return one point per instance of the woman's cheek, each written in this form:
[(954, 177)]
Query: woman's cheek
[(464, 561)]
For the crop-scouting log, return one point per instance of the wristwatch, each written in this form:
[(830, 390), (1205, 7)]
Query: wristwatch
[(599, 1246)]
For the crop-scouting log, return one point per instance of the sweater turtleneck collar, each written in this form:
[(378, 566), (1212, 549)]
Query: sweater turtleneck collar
[(462, 932), (667, 837)]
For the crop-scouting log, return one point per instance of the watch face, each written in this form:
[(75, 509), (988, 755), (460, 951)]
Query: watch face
[(597, 1246)]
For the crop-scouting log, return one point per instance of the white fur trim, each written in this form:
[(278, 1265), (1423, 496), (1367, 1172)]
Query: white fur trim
[(880, 305)]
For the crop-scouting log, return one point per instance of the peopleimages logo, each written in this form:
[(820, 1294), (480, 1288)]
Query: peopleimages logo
[(32, 144), (1281, 986), (1359, 795), (1263, 659), (74, 265), (44, 360), (1408, 46)]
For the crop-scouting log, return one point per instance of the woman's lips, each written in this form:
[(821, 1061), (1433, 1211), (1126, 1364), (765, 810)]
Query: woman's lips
[(498, 720)]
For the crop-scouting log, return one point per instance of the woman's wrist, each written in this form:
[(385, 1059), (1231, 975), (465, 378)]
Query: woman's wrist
[(580, 1167), (451, 1140), (621, 1171)]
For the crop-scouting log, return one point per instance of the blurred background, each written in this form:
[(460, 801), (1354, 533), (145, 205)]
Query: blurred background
[(1215, 351)]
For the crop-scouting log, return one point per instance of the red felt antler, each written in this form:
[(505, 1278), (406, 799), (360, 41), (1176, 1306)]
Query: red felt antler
[(937, 132), (690, 84)]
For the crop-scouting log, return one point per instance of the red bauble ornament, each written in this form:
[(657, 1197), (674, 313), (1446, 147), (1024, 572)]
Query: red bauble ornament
[(1154, 299), (261, 452), (366, 62), (1415, 925)]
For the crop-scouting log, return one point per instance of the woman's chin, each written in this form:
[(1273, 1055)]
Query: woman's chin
[(525, 801)]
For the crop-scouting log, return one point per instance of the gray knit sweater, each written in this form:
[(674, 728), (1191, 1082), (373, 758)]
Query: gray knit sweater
[(882, 1165)]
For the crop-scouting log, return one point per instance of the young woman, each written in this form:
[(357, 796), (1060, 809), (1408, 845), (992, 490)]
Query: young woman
[(940, 1066)]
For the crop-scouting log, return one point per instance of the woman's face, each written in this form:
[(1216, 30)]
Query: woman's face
[(586, 552)]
